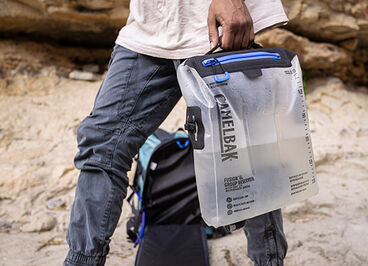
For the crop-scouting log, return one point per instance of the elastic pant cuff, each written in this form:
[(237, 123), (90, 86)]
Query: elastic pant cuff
[(78, 259), (271, 262)]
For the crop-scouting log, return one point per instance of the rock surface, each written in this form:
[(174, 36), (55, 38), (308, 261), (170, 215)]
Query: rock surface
[(83, 75), (331, 25), (320, 59), (329, 20), (97, 22), (86, 22), (338, 30), (40, 109), (39, 222)]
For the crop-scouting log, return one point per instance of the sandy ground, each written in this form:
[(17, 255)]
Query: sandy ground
[(39, 116)]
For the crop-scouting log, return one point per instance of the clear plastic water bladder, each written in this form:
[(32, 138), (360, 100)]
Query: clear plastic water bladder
[(248, 125)]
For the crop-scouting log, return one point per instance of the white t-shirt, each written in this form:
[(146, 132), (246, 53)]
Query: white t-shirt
[(177, 29)]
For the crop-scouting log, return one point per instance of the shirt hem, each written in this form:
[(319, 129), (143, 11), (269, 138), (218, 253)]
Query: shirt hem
[(158, 52), (261, 25), (270, 22)]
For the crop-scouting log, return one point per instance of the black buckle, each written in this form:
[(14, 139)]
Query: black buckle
[(195, 127), (190, 126), (235, 226)]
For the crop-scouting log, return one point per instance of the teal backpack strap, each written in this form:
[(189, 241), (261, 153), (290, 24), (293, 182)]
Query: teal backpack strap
[(162, 134)]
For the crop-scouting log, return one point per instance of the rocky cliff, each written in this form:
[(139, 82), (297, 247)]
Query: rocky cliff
[(334, 36), (84, 22), (330, 36), (48, 87), (344, 22)]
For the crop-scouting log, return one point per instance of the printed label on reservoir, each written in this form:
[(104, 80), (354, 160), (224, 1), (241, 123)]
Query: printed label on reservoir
[(235, 185)]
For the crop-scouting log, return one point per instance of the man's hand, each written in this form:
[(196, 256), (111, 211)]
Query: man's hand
[(236, 22)]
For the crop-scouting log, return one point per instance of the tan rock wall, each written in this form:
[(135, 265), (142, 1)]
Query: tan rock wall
[(329, 20), (98, 21), (330, 36), (93, 22), (321, 59), (40, 109)]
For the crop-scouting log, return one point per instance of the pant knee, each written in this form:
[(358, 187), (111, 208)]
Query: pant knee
[(96, 144)]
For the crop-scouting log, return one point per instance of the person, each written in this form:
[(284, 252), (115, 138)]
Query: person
[(138, 92)]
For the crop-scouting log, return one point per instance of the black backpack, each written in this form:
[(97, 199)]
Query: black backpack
[(166, 220)]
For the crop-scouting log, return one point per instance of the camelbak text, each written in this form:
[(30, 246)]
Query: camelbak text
[(227, 130)]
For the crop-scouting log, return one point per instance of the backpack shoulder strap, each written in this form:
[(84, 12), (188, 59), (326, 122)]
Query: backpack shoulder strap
[(162, 134)]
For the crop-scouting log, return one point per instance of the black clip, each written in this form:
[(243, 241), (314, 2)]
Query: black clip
[(190, 126), (195, 127)]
